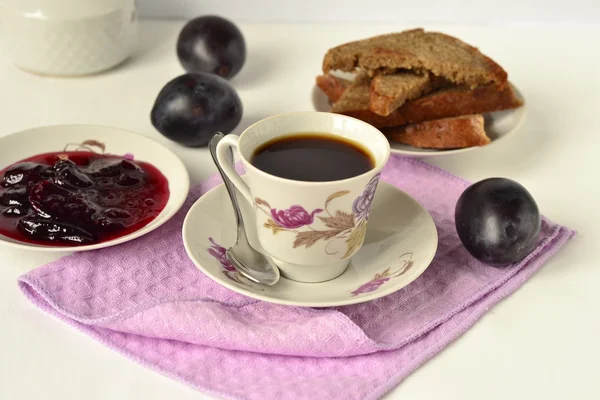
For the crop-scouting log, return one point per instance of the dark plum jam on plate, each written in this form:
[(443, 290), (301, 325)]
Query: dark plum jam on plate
[(78, 198)]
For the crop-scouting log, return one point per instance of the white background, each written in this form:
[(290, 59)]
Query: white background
[(503, 12), (542, 342)]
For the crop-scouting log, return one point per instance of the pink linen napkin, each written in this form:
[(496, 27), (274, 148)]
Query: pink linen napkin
[(148, 301)]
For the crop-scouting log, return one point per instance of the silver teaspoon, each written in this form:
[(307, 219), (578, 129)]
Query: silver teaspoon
[(249, 262)]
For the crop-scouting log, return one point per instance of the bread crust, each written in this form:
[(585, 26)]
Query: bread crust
[(442, 103), (446, 133), (442, 55), (333, 86), (388, 92)]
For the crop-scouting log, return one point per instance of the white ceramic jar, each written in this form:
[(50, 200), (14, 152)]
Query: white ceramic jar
[(67, 37)]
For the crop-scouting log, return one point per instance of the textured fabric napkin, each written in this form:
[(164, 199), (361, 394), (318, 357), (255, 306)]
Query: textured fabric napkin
[(148, 301)]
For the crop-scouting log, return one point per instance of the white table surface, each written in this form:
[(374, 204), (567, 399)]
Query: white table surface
[(543, 342)]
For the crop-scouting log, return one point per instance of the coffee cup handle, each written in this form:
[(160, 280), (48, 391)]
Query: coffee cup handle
[(229, 168)]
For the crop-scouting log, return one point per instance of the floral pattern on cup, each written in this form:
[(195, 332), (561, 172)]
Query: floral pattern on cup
[(220, 253), (382, 277), (341, 225), (294, 217), (362, 205)]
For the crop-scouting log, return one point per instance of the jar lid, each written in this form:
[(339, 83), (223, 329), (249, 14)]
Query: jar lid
[(63, 9)]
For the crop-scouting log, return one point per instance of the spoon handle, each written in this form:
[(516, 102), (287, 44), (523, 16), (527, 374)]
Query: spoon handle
[(228, 184)]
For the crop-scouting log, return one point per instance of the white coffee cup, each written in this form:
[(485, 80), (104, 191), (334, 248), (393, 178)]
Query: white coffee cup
[(310, 229)]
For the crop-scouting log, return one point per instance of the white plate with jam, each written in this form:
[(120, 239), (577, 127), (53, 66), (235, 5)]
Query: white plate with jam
[(85, 187)]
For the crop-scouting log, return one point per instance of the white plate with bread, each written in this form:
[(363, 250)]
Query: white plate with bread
[(430, 93)]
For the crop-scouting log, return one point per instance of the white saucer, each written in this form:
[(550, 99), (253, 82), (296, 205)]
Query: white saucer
[(498, 125), (46, 139), (401, 241)]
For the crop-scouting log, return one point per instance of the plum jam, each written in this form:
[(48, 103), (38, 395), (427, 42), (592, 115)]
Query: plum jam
[(78, 198)]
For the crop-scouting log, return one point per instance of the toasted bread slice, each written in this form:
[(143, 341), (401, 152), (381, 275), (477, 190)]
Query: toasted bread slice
[(388, 92), (417, 50), (356, 94), (447, 133), (456, 101), (442, 103), (333, 86), (354, 102)]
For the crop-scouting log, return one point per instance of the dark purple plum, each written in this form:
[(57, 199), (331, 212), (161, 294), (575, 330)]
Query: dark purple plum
[(126, 172), (54, 231), (213, 45), (498, 221), (67, 173), (52, 201), (14, 196), (191, 108), (108, 167), (24, 173)]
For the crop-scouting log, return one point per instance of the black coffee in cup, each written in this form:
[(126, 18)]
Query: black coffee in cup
[(313, 157)]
